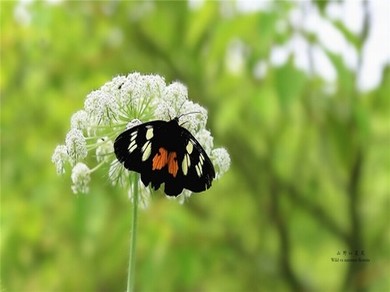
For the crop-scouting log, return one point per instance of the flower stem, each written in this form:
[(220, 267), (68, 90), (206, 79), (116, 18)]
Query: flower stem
[(133, 239)]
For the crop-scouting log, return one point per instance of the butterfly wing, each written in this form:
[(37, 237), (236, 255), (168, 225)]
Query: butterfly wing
[(200, 173), (134, 148), (164, 152)]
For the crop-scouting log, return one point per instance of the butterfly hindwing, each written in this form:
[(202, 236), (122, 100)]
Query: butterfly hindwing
[(165, 152), (197, 168)]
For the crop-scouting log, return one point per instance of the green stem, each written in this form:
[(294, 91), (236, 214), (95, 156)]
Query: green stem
[(133, 239)]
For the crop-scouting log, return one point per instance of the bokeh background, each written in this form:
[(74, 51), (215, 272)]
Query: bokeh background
[(298, 92)]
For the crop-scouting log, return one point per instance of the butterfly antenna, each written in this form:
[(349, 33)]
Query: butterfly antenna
[(190, 113)]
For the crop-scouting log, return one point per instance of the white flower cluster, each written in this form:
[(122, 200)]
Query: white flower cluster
[(120, 104), (81, 178)]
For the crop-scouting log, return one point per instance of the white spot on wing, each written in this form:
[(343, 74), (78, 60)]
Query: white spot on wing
[(201, 159), (189, 147), (149, 134), (198, 170), (199, 165), (132, 146), (146, 150), (185, 164), (133, 136)]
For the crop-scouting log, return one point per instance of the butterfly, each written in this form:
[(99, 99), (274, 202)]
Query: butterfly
[(165, 152)]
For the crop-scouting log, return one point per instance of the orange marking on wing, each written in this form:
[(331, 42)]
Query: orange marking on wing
[(160, 159), (172, 164)]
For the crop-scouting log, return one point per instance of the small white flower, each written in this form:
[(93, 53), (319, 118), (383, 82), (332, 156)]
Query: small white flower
[(101, 107), (221, 161), (164, 111), (80, 178), (105, 147), (172, 101), (76, 146), (59, 158), (91, 103), (205, 139), (194, 116), (118, 174), (114, 85), (175, 94), (154, 85), (79, 120), (127, 88), (140, 92)]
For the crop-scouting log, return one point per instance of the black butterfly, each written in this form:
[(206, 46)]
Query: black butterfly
[(165, 152)]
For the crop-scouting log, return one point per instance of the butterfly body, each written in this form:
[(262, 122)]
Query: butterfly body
[(165, 152)]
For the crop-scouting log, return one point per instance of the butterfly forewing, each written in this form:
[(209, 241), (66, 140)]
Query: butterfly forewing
[(164, 152), (130, 144)]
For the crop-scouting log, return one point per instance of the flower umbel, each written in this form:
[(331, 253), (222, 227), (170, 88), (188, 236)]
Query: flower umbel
[(120, 104), (59, 158), (80, 178), (76, 146)]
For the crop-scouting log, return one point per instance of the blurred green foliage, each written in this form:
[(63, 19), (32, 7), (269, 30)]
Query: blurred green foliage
[(309, 175)]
